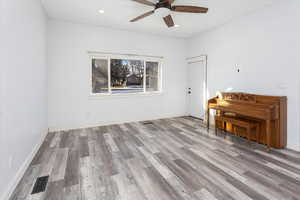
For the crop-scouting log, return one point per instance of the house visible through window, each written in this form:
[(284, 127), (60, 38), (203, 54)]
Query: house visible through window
[(125, 76)]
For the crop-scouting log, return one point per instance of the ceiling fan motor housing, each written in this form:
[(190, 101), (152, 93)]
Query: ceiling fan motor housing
[(163, 8), (163, 4)]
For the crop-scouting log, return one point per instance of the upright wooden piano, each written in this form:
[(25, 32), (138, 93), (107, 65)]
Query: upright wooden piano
[(269, 111)]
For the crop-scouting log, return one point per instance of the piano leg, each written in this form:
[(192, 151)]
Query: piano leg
[(207, 124), (224, 129), (249, 135), (257, 133), (268, 132), (216, 128)]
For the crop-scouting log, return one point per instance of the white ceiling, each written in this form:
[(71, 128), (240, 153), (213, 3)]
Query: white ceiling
[(119, 12)]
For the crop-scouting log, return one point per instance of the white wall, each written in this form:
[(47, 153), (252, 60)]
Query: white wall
[(265, 46), (23, 89), (69, 71)]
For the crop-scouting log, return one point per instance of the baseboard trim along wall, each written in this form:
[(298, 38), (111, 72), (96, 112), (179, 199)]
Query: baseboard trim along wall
[(294, 147), (19, 175)]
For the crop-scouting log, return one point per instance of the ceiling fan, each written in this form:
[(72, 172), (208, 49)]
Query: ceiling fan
[(163, 8)]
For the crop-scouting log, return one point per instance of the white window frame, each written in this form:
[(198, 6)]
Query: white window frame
[(142, 58)]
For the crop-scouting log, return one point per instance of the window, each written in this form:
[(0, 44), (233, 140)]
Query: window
[(125, 76), (100, 75), (152, 76)]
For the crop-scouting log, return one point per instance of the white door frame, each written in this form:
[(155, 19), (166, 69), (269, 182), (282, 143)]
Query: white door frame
[(198, 59)]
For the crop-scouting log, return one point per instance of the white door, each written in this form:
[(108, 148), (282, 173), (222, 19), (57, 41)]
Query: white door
[(197, 88)]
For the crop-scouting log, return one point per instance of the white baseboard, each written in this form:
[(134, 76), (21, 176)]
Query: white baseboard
[(56, 129), (15, 181), (294, 147)]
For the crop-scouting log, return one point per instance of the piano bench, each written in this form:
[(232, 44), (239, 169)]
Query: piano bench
[(238, 122)]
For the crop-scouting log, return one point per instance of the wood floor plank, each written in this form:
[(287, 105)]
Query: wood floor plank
[(127, 191), (163, 170), (60, 165), (48, 162), (55, 191), (56, 140), (167, 191), (189, 179), (123, 148), (83, 146), (111, 143), (72, 193), (64, 139), (87, 187), (72, 168), (184, 191), (44, 147), (143, 180), (106, 156), (205, 195)]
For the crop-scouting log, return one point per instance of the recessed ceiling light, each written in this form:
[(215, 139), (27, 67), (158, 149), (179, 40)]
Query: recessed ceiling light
[(101, 11), (176, 25)]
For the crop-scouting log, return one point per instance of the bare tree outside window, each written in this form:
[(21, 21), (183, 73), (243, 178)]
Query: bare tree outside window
[(127, 76), (124, 76)]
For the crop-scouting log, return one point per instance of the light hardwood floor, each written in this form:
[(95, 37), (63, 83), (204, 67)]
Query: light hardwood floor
[(171, 159)]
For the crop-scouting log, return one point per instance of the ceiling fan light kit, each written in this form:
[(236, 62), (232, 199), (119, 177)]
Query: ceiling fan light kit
[(163, 9), (162, 12)]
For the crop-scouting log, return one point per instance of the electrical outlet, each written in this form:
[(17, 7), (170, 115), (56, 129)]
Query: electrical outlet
[(10, 162), (237, 68)]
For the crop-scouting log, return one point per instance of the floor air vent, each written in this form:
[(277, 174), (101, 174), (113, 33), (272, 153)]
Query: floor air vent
[(40, 185), (147, 123)]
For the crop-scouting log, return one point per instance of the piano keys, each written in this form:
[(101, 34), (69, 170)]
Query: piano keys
[(269, 111)]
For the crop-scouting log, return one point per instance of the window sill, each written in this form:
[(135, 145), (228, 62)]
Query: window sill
[(103, 96)]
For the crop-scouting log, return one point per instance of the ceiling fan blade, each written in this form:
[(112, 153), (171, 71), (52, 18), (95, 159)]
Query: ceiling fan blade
[(169, 1), (142, 16), (169, 21), (145, 2), (190, 9)]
